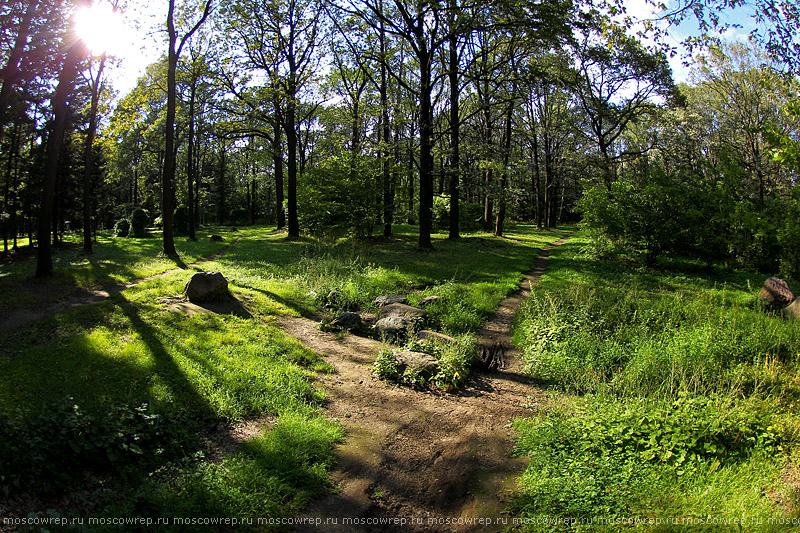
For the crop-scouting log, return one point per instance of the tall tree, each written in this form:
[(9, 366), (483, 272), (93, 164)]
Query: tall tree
[(168, 175), (615, 80), (75, 51), (95, 87), (11, 75), (281, 39)]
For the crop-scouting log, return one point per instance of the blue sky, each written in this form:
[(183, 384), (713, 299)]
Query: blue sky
[(641, 9)]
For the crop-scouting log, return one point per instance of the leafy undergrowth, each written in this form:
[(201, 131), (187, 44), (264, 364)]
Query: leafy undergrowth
[(454, 361), (686, 407), (106, 409)]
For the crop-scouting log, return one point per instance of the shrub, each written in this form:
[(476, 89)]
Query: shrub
[(122, 228), (140, 219), (180, 220), (46, 451), (469, 214), (455, 360), (339, 195)]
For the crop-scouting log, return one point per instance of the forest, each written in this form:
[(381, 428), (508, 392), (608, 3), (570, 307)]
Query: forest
[(536, 167), (346, 118)]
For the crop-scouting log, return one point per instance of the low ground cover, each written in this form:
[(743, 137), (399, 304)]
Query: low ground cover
[(115, 260), (122, 406), (675, 397)]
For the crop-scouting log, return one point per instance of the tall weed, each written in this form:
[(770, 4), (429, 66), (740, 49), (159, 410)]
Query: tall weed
[(640, 341)]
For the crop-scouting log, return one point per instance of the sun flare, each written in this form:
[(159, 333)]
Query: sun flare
[(103, 29)]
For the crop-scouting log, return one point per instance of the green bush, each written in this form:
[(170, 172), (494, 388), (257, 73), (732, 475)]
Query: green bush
[(338, 196), (469, 214), (122, 228), (455, 360), (604, 457), (140, 219), (180, 220), (51, 449)]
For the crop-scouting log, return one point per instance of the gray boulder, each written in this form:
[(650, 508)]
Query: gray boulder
[(402, 310), (348, 321), (776, 293), (428, 335), (393, 326), (206, 286), (423, 364), (792, 311), (389, 299)]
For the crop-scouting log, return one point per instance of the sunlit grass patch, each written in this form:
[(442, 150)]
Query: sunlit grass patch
[(686, 400)]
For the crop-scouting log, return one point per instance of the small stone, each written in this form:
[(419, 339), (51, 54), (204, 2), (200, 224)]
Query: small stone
[(424, 364), (389, 299), (206, 286), (428, 335), (394, 325), (402, 310), (348, 321), (429, 299)]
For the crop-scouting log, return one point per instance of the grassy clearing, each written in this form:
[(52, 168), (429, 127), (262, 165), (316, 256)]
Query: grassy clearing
[(473, 274), (112, 403), (115, 260), (125, 390), (675, 397)]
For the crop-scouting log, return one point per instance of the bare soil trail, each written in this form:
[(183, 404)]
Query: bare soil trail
[(442, 461), (80, 297)]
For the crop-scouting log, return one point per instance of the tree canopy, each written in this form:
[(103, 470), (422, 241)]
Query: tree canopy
[(340, 118)]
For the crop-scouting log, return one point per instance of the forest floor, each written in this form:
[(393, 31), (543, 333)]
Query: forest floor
[(441, 460), (423, 460), (60, 299)]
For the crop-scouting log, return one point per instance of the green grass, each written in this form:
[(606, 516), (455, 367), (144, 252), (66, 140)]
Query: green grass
[(675, 395), (132, 385), (115, 260), (111, 404), (473, 274)]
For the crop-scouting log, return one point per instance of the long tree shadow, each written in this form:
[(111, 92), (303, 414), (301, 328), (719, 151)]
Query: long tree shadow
[(304, 311), (164, 366)]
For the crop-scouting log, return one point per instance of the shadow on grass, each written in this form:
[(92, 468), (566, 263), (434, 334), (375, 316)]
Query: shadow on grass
[(184, 392)]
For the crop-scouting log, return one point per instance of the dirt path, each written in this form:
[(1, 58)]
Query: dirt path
[(441, 460), (25, 317)]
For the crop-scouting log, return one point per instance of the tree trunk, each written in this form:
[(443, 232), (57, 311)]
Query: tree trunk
[(536, 175), (277, 158), (388, 200), (411, 220), (66, 79), (426, 152), (290, 125), (254, 205), (190, 163), (455, 131), (168, 170), (501, 211), (88, 158), (223, 168)]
